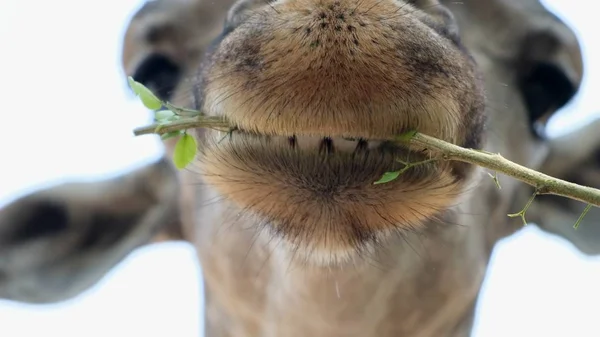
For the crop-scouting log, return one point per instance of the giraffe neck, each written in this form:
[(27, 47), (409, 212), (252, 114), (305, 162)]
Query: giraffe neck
[(418, 285)]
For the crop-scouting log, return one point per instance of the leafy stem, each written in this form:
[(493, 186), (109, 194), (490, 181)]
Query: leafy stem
[(543, 183), (180, 110), (216, 123), (389, 176)]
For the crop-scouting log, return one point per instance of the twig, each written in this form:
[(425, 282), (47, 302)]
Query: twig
[(217, 123), (389, 176), (544, 184)]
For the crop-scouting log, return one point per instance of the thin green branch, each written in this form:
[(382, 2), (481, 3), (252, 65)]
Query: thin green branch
[(389, 176), (544, 184), (185, 112), (216, 123)]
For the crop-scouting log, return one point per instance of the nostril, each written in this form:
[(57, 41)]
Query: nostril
[(45, 218)]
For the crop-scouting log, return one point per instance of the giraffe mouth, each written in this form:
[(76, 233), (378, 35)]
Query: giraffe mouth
[(319, 193), (323, 166)]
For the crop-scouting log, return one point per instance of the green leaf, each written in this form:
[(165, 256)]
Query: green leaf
[(407, 136), (185, 151), (132, 83), (171, 134), (149, 100), (162, 115), (387, 177)]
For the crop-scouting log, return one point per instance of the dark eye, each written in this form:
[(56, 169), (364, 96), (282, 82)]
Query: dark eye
[(545, 89), (159, 74)]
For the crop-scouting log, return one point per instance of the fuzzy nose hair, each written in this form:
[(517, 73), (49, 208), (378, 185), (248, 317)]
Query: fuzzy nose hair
[(335, 68)]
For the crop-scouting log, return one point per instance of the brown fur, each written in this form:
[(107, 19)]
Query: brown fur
[(293, 237)]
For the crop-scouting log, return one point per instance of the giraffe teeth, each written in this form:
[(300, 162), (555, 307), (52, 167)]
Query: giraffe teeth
[(332, 144), (324, 145)]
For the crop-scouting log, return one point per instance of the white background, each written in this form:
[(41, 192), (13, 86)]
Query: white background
[(59, 56)]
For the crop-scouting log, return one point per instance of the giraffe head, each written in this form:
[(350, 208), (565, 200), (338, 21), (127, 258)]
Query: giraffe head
[(316, 89)]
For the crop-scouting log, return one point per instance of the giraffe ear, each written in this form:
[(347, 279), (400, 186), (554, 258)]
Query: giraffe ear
[(166, 39), (574, 157), (57, 242)]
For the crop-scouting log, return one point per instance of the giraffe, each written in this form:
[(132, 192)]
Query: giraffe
[(292, 236)]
